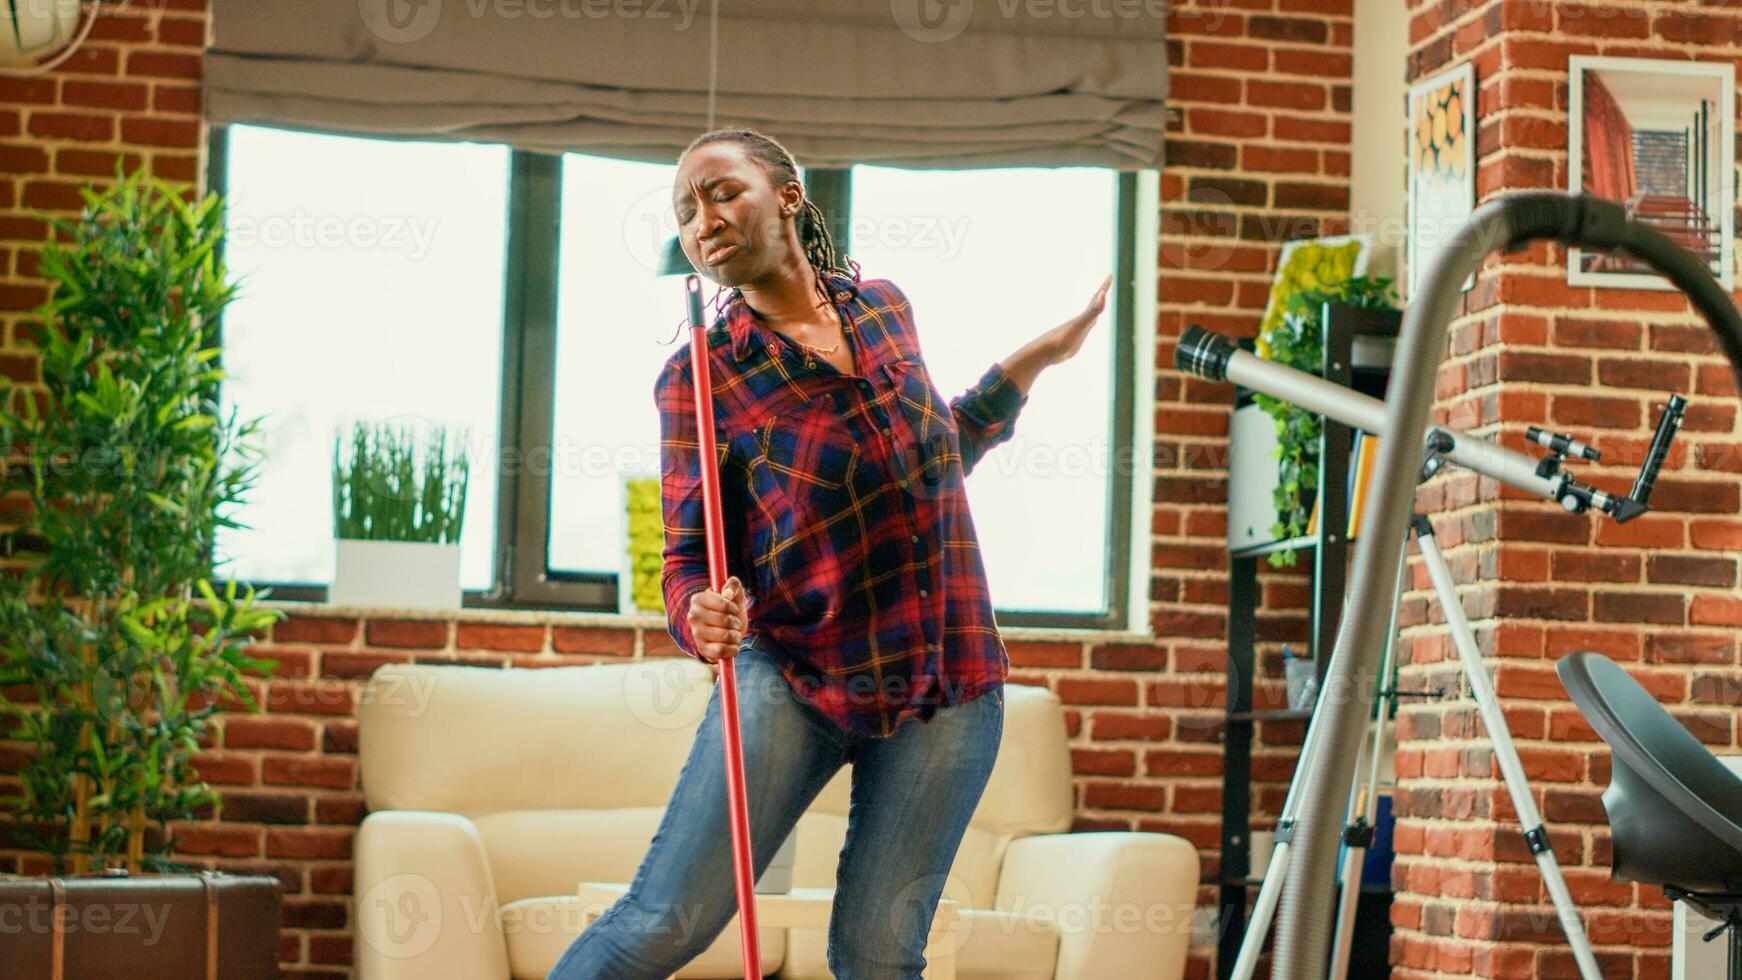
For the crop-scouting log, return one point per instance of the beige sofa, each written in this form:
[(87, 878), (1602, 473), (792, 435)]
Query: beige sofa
[(493, 793)]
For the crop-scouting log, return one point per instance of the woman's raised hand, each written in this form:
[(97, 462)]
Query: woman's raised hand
[(717, 620), (1067, 338)]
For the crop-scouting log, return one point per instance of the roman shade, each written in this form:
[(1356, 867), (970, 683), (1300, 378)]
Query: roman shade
[(912, 83)]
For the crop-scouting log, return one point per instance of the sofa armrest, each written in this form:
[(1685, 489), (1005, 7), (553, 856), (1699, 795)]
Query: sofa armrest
[(426, 902), (1122, 901)]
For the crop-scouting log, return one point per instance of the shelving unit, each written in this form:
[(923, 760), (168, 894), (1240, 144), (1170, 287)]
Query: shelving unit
[(1357, 353)]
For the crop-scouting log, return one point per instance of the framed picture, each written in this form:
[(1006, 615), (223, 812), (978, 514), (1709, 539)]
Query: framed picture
[(1442, 166), (1308, 263), (1658, 137)]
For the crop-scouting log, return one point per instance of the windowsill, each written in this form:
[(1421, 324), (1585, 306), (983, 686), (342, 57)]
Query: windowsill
[(1055, 634), (652, 621), (518, 617)]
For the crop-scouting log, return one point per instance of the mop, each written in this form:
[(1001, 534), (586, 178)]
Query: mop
[(738, 805)]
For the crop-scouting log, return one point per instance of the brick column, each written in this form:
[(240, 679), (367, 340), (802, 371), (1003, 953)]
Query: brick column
[(1657, 594)]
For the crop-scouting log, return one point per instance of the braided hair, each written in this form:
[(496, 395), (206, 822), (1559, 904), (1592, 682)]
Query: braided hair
[(813, 230)]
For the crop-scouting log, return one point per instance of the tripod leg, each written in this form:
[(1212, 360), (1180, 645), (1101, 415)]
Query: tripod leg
[(1264, 909), (1356, 835), (1270, 893), (1505, 753), (1357, 838), (1364, 798)]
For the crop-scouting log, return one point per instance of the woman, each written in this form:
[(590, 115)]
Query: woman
[(841, 475)]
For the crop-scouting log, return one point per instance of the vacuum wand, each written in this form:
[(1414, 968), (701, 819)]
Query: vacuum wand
[(738, 808), (1217, 358)]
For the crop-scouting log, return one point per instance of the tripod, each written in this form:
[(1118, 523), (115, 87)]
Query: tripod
[(1357, 833), (1217, 358)]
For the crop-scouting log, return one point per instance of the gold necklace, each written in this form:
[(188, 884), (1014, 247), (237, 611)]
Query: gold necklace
[(820, 350)]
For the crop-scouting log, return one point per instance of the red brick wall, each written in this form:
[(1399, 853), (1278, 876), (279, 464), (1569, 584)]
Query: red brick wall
[(1657, 594), (1258, 156)]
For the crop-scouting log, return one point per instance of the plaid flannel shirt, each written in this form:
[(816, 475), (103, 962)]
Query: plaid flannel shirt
[(844, 510)]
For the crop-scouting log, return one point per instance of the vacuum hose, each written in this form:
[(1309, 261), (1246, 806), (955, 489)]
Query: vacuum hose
[(1505, 224)]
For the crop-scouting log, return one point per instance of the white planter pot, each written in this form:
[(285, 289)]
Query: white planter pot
[(396, 575), (44, 27), (1252, 477)]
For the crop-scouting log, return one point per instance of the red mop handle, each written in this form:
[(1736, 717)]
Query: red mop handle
[(737, 803)]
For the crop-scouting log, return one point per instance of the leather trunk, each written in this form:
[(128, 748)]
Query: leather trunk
[(105, 924)]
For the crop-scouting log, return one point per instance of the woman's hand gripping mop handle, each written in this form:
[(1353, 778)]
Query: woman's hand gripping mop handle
[(738, 805)]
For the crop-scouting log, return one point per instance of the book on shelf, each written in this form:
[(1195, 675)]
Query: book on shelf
[(1361, 478), (1356, 479)]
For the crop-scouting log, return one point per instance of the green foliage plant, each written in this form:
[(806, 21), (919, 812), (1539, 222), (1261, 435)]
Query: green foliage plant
[(1297, 340), (115, 648)]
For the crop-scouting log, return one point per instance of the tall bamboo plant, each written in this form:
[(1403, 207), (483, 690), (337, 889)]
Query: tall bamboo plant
[(109, 623)]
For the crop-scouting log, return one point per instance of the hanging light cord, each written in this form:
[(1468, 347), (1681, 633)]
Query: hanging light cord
[(713, 57)]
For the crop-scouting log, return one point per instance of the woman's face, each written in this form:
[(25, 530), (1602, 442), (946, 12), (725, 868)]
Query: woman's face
[(735, 228)]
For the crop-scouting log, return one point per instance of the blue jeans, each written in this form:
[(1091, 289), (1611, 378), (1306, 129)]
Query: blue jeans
[(912, 796)]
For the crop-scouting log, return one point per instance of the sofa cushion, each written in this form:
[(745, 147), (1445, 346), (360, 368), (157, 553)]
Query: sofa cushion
[(973, 878), (539, 930), (474, 740), (535, 853), (460, 739), (989, 946), (1029, 791), (1005, 945)]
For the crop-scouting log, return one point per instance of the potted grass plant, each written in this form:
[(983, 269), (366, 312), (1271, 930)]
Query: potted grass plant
[(116, 649), (398, 508)]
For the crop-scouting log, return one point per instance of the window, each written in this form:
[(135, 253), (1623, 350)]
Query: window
[(617, 323), (991, 259), (528, 309), (367, 289)]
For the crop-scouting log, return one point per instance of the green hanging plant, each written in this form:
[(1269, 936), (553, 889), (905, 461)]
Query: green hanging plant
[(1297, 340)]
